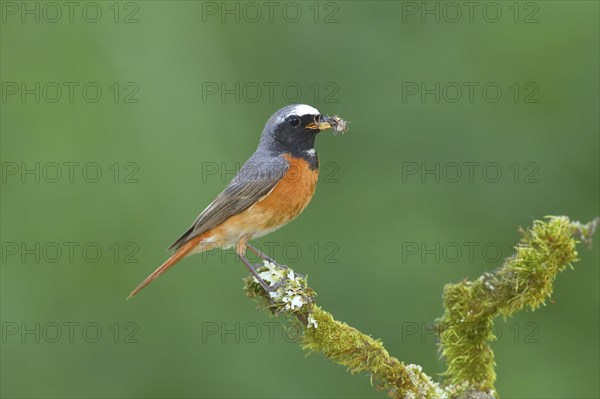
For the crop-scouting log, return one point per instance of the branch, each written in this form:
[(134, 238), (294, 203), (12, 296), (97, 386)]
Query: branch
[(337, 340), (465, 328)]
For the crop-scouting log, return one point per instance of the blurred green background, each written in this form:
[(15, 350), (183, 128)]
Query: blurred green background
[(166, 145)]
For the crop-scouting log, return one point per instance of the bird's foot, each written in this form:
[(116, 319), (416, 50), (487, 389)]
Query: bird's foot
[(264, 256)]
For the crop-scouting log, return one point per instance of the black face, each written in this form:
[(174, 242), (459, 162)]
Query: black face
[(294, 134)]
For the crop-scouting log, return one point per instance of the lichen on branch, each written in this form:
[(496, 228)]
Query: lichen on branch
[(466, 328)]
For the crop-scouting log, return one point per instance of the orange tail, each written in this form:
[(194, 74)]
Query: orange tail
[(176, 257)]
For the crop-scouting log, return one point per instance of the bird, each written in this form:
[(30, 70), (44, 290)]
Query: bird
[(271, 189)]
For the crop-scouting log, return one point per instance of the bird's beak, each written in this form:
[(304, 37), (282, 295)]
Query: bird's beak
[(323, 123)]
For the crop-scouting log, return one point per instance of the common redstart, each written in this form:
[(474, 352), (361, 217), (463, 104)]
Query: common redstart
[(271, 189)]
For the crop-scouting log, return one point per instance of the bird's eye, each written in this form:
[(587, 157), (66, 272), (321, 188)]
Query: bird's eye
[(294, 121)]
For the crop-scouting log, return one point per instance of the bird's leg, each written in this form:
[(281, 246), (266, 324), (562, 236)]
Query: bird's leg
[(253, 271), (263, 256), (240, 250)]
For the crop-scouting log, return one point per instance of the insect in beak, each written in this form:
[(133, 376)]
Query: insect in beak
[(329, 122)]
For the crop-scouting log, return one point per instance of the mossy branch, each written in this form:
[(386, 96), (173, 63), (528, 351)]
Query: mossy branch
[(525, 280), (337, 340)]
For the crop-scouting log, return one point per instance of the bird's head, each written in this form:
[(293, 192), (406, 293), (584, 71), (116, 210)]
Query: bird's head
[(295, 127)]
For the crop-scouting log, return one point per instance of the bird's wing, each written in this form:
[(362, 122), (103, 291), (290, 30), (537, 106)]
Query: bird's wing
[(255, 179)]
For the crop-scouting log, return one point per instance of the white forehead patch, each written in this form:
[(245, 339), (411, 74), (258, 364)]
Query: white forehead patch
[(304, 109), (298, 110)]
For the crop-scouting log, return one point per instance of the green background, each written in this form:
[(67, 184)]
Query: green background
[(361, 220)]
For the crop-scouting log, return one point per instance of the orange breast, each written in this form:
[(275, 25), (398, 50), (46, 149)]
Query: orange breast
[(290, 196)]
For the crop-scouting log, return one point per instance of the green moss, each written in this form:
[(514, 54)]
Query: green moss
[(338, 341), (525, 280), (360, 353)]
